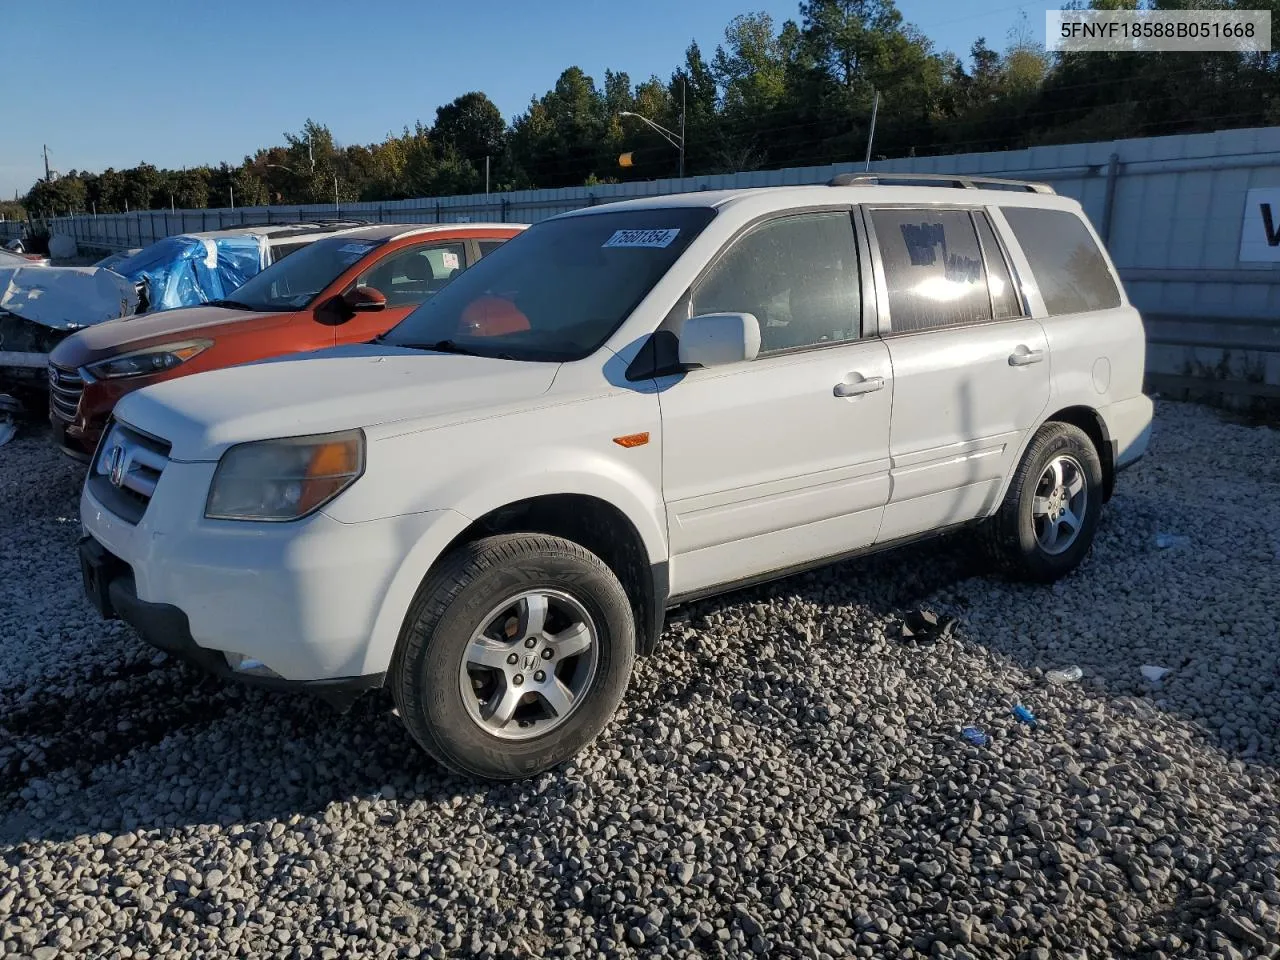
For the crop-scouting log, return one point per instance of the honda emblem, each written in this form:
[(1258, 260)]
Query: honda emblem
[(115, 467)]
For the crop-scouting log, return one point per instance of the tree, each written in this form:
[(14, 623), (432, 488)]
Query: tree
[(472, 125), (750, 68), (561, 139), (772, 95), (57, 196)]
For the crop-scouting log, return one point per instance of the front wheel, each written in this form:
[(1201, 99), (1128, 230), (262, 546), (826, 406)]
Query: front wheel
[(515, 653), (1045, 526)]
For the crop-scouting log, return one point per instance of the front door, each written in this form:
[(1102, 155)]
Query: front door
[(405, 277), (970, 366), (782, 460)]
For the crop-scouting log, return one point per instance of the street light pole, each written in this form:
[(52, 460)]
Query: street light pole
[(683, 91), (675, 139), (875, 108)]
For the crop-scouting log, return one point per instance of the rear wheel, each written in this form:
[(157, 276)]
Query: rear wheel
[(514, 655), (1045, 526)]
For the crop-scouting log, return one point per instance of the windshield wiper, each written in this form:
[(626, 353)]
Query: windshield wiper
[(230, 304), (440, 346)]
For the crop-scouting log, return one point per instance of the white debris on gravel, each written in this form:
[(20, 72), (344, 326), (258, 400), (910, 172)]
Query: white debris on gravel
[(786, 778)]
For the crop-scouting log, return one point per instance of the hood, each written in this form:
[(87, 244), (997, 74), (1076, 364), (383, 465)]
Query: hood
[(337, 389), (107, 340), (66, 298)]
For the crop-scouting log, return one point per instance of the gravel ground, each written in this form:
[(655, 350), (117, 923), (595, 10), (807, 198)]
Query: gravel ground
[(786, 779)]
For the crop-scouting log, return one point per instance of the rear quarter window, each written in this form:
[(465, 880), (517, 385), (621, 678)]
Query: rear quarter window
[(1068, 267)]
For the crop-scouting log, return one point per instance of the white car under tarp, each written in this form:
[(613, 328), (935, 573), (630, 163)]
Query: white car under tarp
[(66, 298), (39, 306)]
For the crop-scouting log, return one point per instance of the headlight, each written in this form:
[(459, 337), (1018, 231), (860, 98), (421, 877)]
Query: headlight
[(156, 359), (284, 479)]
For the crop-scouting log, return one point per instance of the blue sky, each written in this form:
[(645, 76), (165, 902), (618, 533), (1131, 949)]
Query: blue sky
[(188, 83)]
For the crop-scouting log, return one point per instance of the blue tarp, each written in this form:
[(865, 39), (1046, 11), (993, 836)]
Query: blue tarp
[(187, 271)]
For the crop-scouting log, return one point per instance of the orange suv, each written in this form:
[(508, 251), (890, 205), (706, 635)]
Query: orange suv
[(343, 289)]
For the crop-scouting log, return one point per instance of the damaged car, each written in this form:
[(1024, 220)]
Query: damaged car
[(40, 306)]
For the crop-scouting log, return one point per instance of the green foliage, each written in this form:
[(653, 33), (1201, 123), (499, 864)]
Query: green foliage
[(771, 95)]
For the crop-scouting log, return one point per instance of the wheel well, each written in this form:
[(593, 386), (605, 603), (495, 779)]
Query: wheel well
[(1087, 419), (598, 526)]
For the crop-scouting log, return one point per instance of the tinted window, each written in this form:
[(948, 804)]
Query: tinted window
[(281, 250), (488, 246), (407, 277), (558, 290), (933, 267), (1068, 267), (1005, 299), (292, 283), (798, 276)]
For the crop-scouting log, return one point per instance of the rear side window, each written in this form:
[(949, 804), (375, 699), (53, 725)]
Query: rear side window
[(1068, 267), (488, 246), (1006, 303), (933, 268)]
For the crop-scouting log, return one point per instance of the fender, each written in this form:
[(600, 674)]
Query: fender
[(496, 485), (1030, 435)]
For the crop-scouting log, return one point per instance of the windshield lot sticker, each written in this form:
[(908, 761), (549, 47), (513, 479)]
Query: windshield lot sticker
[(642, 238), (450, 260)]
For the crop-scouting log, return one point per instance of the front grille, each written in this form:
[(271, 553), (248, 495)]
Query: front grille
[(65, 388), (126, 470)]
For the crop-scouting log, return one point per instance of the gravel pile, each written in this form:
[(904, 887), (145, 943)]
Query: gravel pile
[(787, 779)]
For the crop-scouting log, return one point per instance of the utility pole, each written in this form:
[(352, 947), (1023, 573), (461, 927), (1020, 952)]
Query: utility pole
[(486, 173), (47, 175), (684, 83), (336, 208), (232, 187), (875, 108)]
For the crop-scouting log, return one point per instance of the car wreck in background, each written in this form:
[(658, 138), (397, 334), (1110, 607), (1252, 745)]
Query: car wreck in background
[(41, 305)]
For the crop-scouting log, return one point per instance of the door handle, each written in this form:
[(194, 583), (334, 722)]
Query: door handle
[(858, 387), (1024, 356)]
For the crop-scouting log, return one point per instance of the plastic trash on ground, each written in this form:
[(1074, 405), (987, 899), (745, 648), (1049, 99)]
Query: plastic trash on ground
[(925, 626), (1024, 715), (1064, 675), (10, 410), (1153, 673), (976, 736)]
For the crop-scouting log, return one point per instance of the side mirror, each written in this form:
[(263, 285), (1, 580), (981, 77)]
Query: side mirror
[(714, 339), (364, 300)]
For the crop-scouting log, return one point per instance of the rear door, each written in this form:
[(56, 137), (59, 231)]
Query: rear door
[(971, 367), (405, 276)]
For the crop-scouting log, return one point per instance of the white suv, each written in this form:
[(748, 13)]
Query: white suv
[(490, 508)]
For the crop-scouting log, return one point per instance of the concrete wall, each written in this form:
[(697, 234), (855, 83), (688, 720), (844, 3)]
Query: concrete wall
[(1170, 208)]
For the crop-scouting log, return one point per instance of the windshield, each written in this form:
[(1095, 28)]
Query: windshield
[(292, 283), (557, 291)]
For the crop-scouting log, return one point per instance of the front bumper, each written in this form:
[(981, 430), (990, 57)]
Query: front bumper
[(109, 586), (311, 599)]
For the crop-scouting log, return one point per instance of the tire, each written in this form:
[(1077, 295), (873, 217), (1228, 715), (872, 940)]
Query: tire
[(438, 642), (1016, 538)]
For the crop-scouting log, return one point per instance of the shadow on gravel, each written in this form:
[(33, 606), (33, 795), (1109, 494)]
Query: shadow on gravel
[(284, 755)]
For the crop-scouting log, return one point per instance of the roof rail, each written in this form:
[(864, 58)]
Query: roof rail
[(962, 180)]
